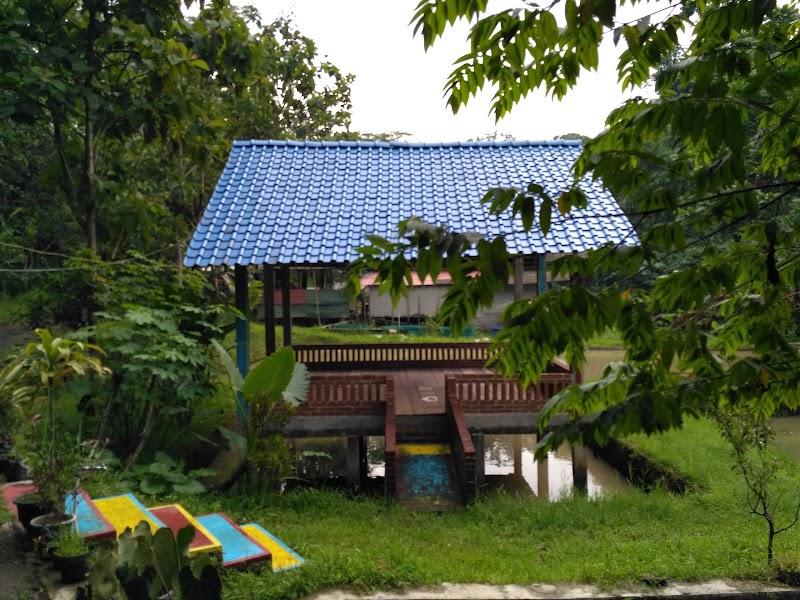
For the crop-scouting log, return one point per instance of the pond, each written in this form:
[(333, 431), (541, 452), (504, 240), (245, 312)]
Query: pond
[(325, 459)]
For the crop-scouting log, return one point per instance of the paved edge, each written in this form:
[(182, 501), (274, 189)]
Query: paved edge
[(709, 590)]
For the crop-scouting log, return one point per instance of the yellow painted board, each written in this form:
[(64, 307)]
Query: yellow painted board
[(283, 558), (176, 517), (423, 449), (126, 511)]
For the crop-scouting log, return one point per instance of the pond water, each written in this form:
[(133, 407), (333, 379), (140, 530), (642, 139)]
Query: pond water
[(500, 450), (326, 459), (787, 434)]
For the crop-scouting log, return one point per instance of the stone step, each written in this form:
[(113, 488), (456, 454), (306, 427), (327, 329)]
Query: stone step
[(238, 547), (90, 522), (176, 518), (283, 557), (125, 511)]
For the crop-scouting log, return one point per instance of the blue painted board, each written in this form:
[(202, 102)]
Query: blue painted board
[(90, 523), (238, 548)]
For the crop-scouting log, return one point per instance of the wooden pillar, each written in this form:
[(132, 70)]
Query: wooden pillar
[(541, 278), (480, 458), (519, 278), (580, 468), (287, 307), (269, 309), (356, 461), (543, 478), (242, 328)]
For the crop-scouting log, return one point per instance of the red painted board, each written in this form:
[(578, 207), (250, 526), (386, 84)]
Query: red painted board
[(15, 490), (176, 518)]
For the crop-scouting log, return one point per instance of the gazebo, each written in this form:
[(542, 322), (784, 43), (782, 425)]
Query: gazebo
[(285, 204), (288, 204)]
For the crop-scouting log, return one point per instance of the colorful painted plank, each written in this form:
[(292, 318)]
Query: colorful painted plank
[(176, 518), (91, 523), (238, 548), (425, 478), (126, 511), (283, 557), (11, 491)]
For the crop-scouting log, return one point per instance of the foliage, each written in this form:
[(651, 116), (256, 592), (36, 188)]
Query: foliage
[(36, 377), (164, 475), (266, 399), (155, 325), (142, 565), (683, 338), (752, 439), (68, 543)]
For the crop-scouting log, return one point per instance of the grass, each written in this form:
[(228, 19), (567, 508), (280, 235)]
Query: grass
[(363, 543)]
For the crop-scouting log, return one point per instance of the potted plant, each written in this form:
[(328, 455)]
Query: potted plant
[(71, 554), (36, 378)]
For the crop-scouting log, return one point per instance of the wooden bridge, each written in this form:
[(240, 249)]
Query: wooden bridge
[(417, 393)]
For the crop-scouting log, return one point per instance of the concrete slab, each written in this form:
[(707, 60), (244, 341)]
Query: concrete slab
[(238, 548), (91, 523), (15, 490), (176, 518), (283, 557), (125, 511)]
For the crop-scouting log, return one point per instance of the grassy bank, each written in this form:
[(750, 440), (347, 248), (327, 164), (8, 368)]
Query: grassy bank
[(365, 543)]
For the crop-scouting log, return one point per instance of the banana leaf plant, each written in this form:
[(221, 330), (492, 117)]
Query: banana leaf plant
[(266, 398)]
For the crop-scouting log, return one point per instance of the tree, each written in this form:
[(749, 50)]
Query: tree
[(734, 163)]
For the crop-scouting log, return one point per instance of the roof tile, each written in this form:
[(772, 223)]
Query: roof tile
[(314, 202)]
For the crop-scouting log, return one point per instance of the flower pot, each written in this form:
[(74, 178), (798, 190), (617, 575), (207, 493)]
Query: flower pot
[(73, 568), (47, 526), (28, 507)]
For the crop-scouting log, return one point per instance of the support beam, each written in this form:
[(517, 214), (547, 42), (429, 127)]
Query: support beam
[(517, 445), (541, 278), (269, 309), (480, 458), (519, 278), (356, 461), (242, 328), (287, 307), (580, 469), (543, 479)]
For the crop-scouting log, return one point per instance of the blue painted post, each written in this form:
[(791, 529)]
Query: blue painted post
[(242, 327), (542, 274)]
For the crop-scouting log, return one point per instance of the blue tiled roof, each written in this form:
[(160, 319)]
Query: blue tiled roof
[(312, 203)]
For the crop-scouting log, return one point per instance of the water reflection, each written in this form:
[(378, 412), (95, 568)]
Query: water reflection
[(500, 451), (787, 434), (320, 459)]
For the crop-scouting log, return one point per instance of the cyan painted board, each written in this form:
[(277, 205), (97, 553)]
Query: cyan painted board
[(238, 548), (90, 522)]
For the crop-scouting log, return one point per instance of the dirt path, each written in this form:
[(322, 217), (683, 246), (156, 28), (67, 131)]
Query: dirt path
[(19, 578)]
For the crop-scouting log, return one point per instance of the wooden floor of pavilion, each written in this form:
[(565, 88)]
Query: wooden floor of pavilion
[(418, 391)]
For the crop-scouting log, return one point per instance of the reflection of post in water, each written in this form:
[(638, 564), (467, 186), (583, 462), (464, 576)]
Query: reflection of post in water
[(517, 445), (543, 478), (580, 469)]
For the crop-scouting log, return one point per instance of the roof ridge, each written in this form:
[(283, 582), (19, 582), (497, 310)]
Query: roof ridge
[(402, 144)]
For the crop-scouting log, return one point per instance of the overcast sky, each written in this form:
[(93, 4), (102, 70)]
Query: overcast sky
[(399, 87)]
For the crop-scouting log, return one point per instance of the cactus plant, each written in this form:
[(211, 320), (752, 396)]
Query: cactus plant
[(146, 566)]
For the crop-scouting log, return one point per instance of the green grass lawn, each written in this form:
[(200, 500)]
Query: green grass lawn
[(364, 543)]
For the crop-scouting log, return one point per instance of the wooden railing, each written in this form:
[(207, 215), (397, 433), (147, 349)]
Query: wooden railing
[(352, 394), (490, 393), (394, 356)]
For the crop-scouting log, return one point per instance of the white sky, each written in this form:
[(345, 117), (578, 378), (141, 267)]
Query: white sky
[(399, 87)]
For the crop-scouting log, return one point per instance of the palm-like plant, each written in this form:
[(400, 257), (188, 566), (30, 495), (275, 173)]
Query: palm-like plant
[(35, 378)]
